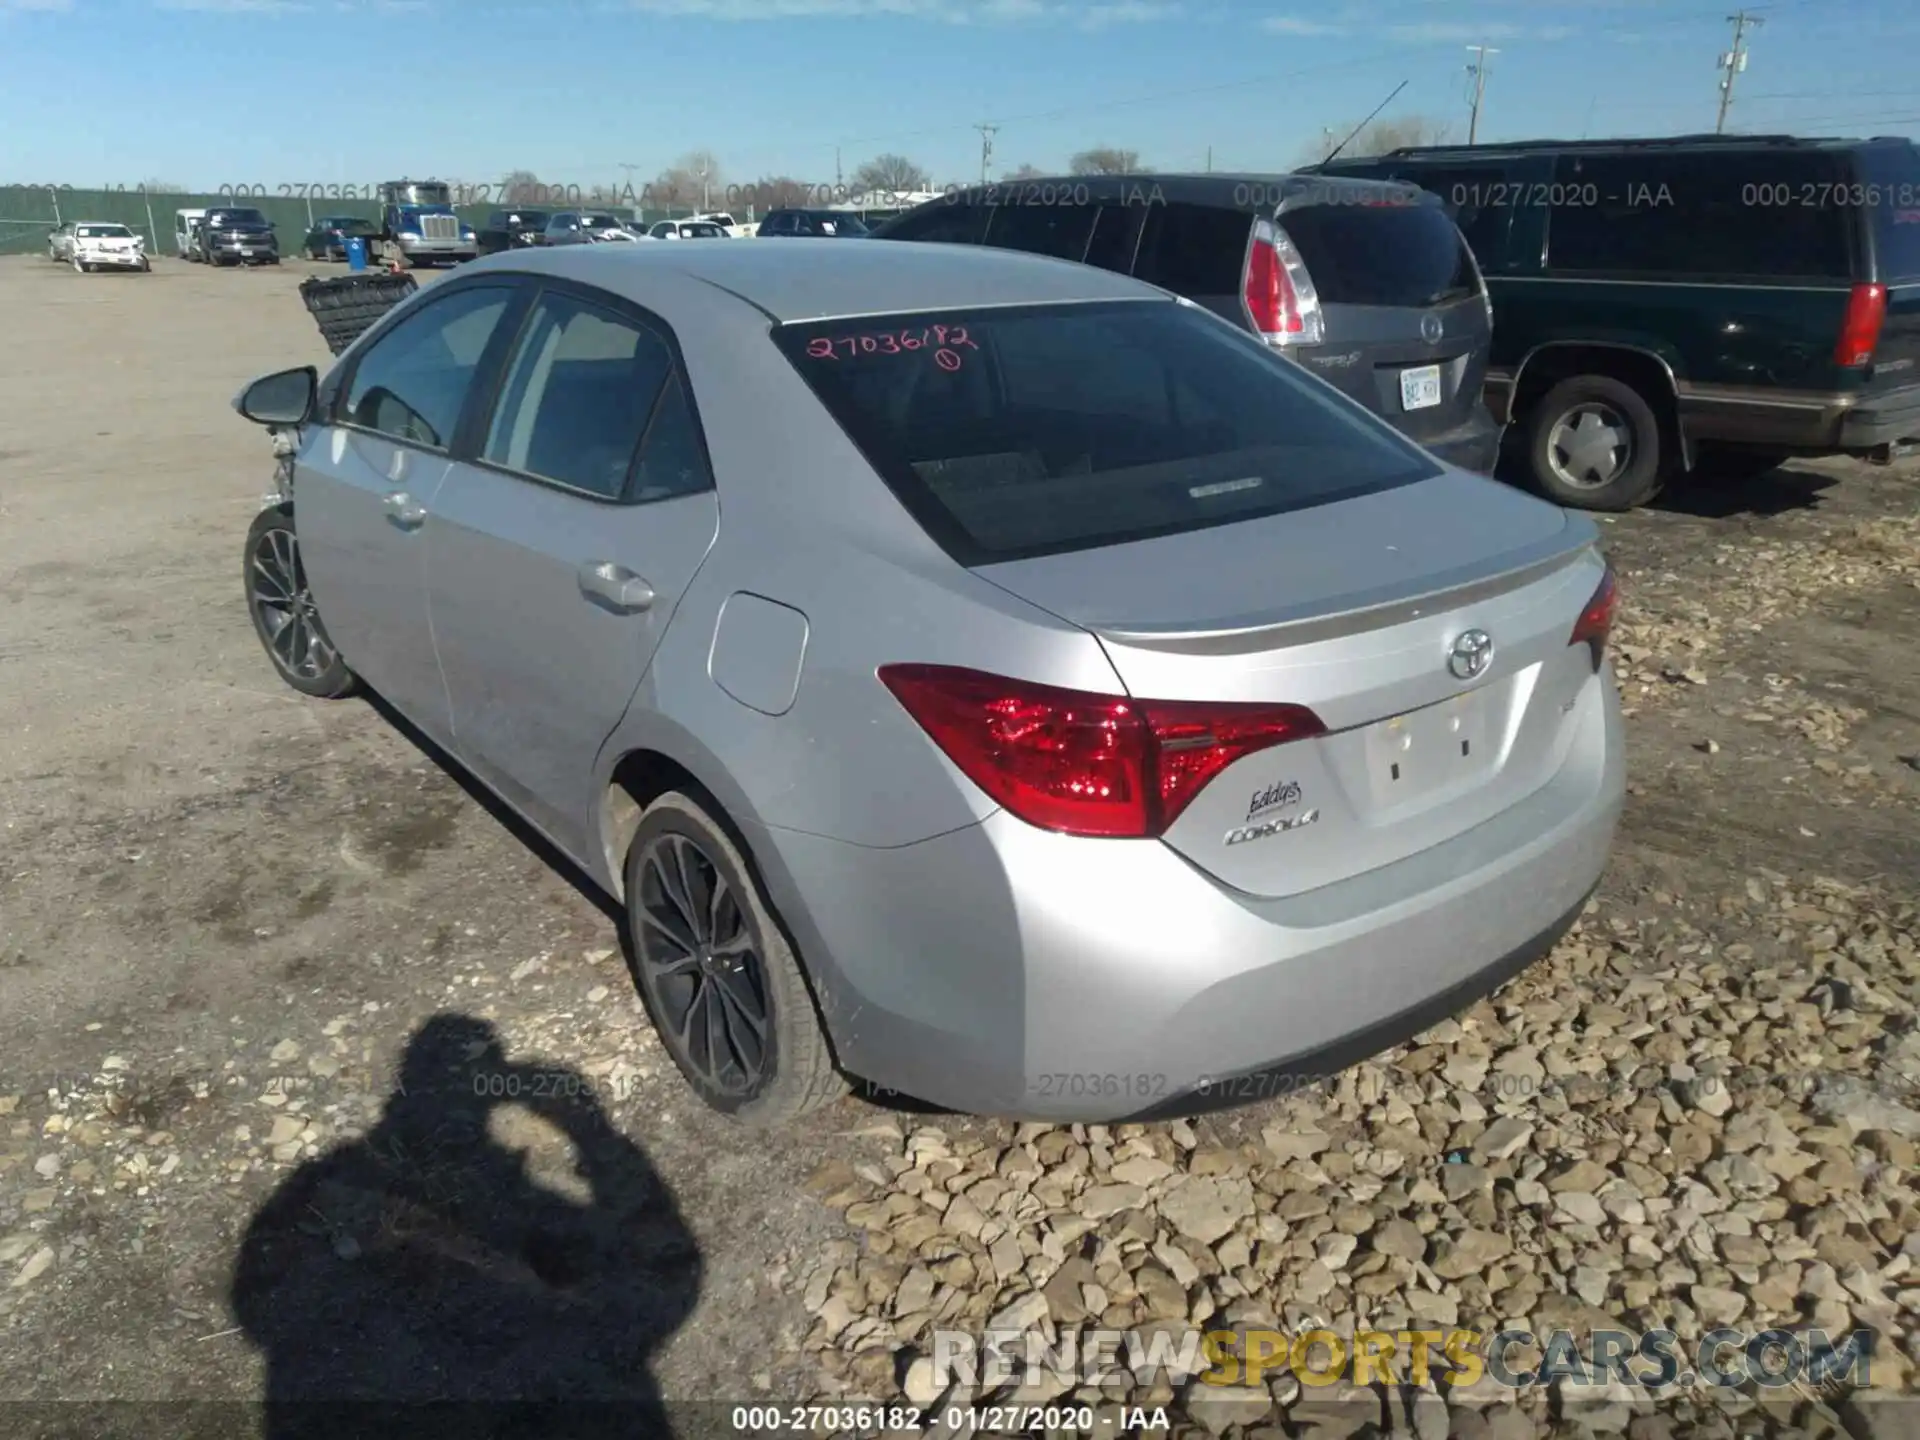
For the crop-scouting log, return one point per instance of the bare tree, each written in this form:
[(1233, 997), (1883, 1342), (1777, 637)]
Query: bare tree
[(892, 173), (1026, 172), (1382, 136), (692, 180), (1105, 160), (163, 187), (521, 187), (776, 192)]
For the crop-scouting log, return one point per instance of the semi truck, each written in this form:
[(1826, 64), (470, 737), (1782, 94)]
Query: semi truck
[(419, 226)]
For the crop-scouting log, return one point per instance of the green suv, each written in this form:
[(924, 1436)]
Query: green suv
[(1715, 303)]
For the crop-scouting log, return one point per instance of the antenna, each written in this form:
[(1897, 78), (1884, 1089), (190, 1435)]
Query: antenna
[(1364, 123)]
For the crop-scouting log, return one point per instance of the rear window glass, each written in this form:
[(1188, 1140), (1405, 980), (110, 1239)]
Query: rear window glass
[(1024, 431), (942, 221), (1383, 254), (1893, 192)]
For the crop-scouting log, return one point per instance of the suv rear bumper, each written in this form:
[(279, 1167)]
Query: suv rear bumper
[(1884, 420), (1802, 422)]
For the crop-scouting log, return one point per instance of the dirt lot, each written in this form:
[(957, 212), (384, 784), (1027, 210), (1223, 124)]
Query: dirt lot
[(228, 915)]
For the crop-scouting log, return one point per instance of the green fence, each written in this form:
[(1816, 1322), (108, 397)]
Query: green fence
[(28, 212)]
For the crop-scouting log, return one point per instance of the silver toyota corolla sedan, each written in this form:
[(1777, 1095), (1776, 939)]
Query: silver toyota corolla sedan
[(984, 677)]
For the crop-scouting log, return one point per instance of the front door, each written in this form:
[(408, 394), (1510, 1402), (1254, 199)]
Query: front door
[(365, 485), (556, 555)]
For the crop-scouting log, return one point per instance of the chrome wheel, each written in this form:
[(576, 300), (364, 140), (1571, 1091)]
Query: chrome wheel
[(701, 965), (283, 607), (1590, 446)]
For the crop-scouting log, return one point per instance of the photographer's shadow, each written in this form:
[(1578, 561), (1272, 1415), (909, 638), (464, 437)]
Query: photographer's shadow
[(429, 1263)]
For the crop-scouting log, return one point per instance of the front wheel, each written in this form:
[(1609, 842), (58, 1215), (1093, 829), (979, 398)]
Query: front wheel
[(1594, 444), (716, 974), (80, 267), (284, 615)]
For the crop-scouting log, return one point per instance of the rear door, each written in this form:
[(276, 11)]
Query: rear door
[(560, 546), (1406, 327)]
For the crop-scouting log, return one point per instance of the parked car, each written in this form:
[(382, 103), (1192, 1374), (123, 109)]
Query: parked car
[(835, 223), (686, 230), (327, 240), (586, 227), (98, 245), (186, 233), (721, 218), (1704, 302), (237, 235), (513, 230), (985, 676), (1370, 287)]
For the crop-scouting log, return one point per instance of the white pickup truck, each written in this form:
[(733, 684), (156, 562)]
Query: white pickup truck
[(98, 245)]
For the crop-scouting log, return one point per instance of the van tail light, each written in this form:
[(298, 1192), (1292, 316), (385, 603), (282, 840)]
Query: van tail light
[(1086, 764), (1596, 621), (1860, 331), (1278, 294)]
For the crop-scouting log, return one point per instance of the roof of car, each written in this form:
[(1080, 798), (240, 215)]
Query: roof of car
[(1239, 188), (822, 279)]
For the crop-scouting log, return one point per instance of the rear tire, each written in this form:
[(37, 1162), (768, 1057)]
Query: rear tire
[(284, 616), (1593, 443), (719, 980)]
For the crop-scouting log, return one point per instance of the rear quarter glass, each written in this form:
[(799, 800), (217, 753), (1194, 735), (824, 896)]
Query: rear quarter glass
[(1398, 255), (1892, 184), (1022, 431)]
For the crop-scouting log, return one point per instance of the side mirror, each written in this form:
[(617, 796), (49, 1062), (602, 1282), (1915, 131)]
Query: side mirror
[(285, 398)]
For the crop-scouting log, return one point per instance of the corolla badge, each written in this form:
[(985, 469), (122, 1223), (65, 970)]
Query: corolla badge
[(1276, 826), (1431, 329), (1472, 652)]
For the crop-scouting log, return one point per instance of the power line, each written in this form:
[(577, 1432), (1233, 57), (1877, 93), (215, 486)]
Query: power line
[(1478, 70), (1734, 62)]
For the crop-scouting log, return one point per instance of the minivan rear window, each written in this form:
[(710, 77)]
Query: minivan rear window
[(1388, 254), (1032, 430)]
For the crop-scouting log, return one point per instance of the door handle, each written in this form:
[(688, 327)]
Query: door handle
[(614, 586), (402, 510)]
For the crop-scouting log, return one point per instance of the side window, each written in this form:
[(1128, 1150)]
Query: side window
[(775, 225), (1481, 202), (1114, 237), (1193, 250), (1058, 230), (412, 382), (941, 222), (672, 460), (577, 396), (1698, 215), (497, 221)]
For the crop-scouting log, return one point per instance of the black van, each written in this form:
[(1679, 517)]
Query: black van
[(1369, 286), (1701, 302)]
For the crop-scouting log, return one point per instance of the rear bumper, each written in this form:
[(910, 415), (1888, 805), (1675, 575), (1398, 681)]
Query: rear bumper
[(1473, 446), (1800, 422), (1883, 420), (1004, 970)]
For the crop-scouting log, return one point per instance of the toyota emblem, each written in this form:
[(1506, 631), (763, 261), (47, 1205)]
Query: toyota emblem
[(1471, 654), (1431, 329)]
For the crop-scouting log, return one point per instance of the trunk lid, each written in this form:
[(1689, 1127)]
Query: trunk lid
[(1351, 609)]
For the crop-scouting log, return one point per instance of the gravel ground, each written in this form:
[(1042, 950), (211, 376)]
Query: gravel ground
[(319, 1076)]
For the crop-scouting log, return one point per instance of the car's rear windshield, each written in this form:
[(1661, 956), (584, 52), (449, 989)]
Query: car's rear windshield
[(1893, 195), (1038, 429), (1381, 254)]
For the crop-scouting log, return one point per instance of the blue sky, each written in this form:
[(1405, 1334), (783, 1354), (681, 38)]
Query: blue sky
[(212, 92)]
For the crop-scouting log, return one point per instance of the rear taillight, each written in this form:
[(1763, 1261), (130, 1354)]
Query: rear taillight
[(1860, 331), (1081, 763), (1280, 300), (1596, 621)]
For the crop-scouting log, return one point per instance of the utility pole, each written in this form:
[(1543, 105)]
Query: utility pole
[(986, 149), (1734, 62), (838, 180), (1209, 159), (1478, 70)]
